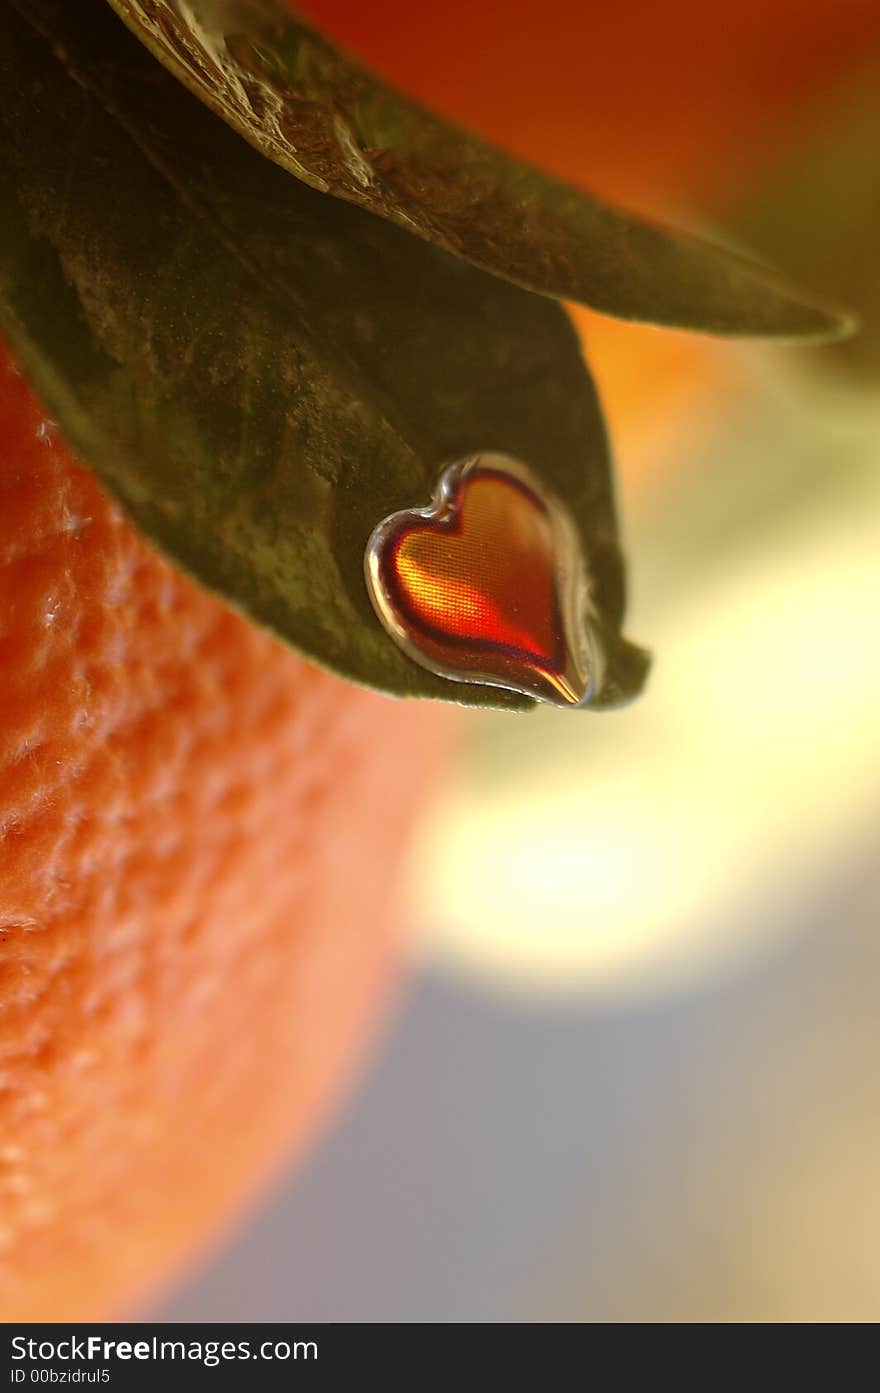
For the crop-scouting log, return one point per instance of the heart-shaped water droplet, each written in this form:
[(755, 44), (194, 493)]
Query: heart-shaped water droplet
[(488, 584)]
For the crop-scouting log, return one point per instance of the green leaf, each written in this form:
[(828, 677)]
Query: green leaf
[(261, 373), (325, 119)]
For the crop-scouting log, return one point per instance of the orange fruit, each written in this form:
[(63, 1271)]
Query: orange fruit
[(198, 831)]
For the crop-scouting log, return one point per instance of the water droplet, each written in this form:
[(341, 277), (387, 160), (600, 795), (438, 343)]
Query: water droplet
[(488, 584)]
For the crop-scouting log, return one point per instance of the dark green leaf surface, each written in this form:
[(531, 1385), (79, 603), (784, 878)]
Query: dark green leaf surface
[(324, 118), (259, 372)]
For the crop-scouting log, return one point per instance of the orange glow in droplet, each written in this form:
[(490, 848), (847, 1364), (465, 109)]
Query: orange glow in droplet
[(486, 573)]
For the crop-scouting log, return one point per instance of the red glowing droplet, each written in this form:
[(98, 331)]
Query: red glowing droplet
[(488, 584)]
